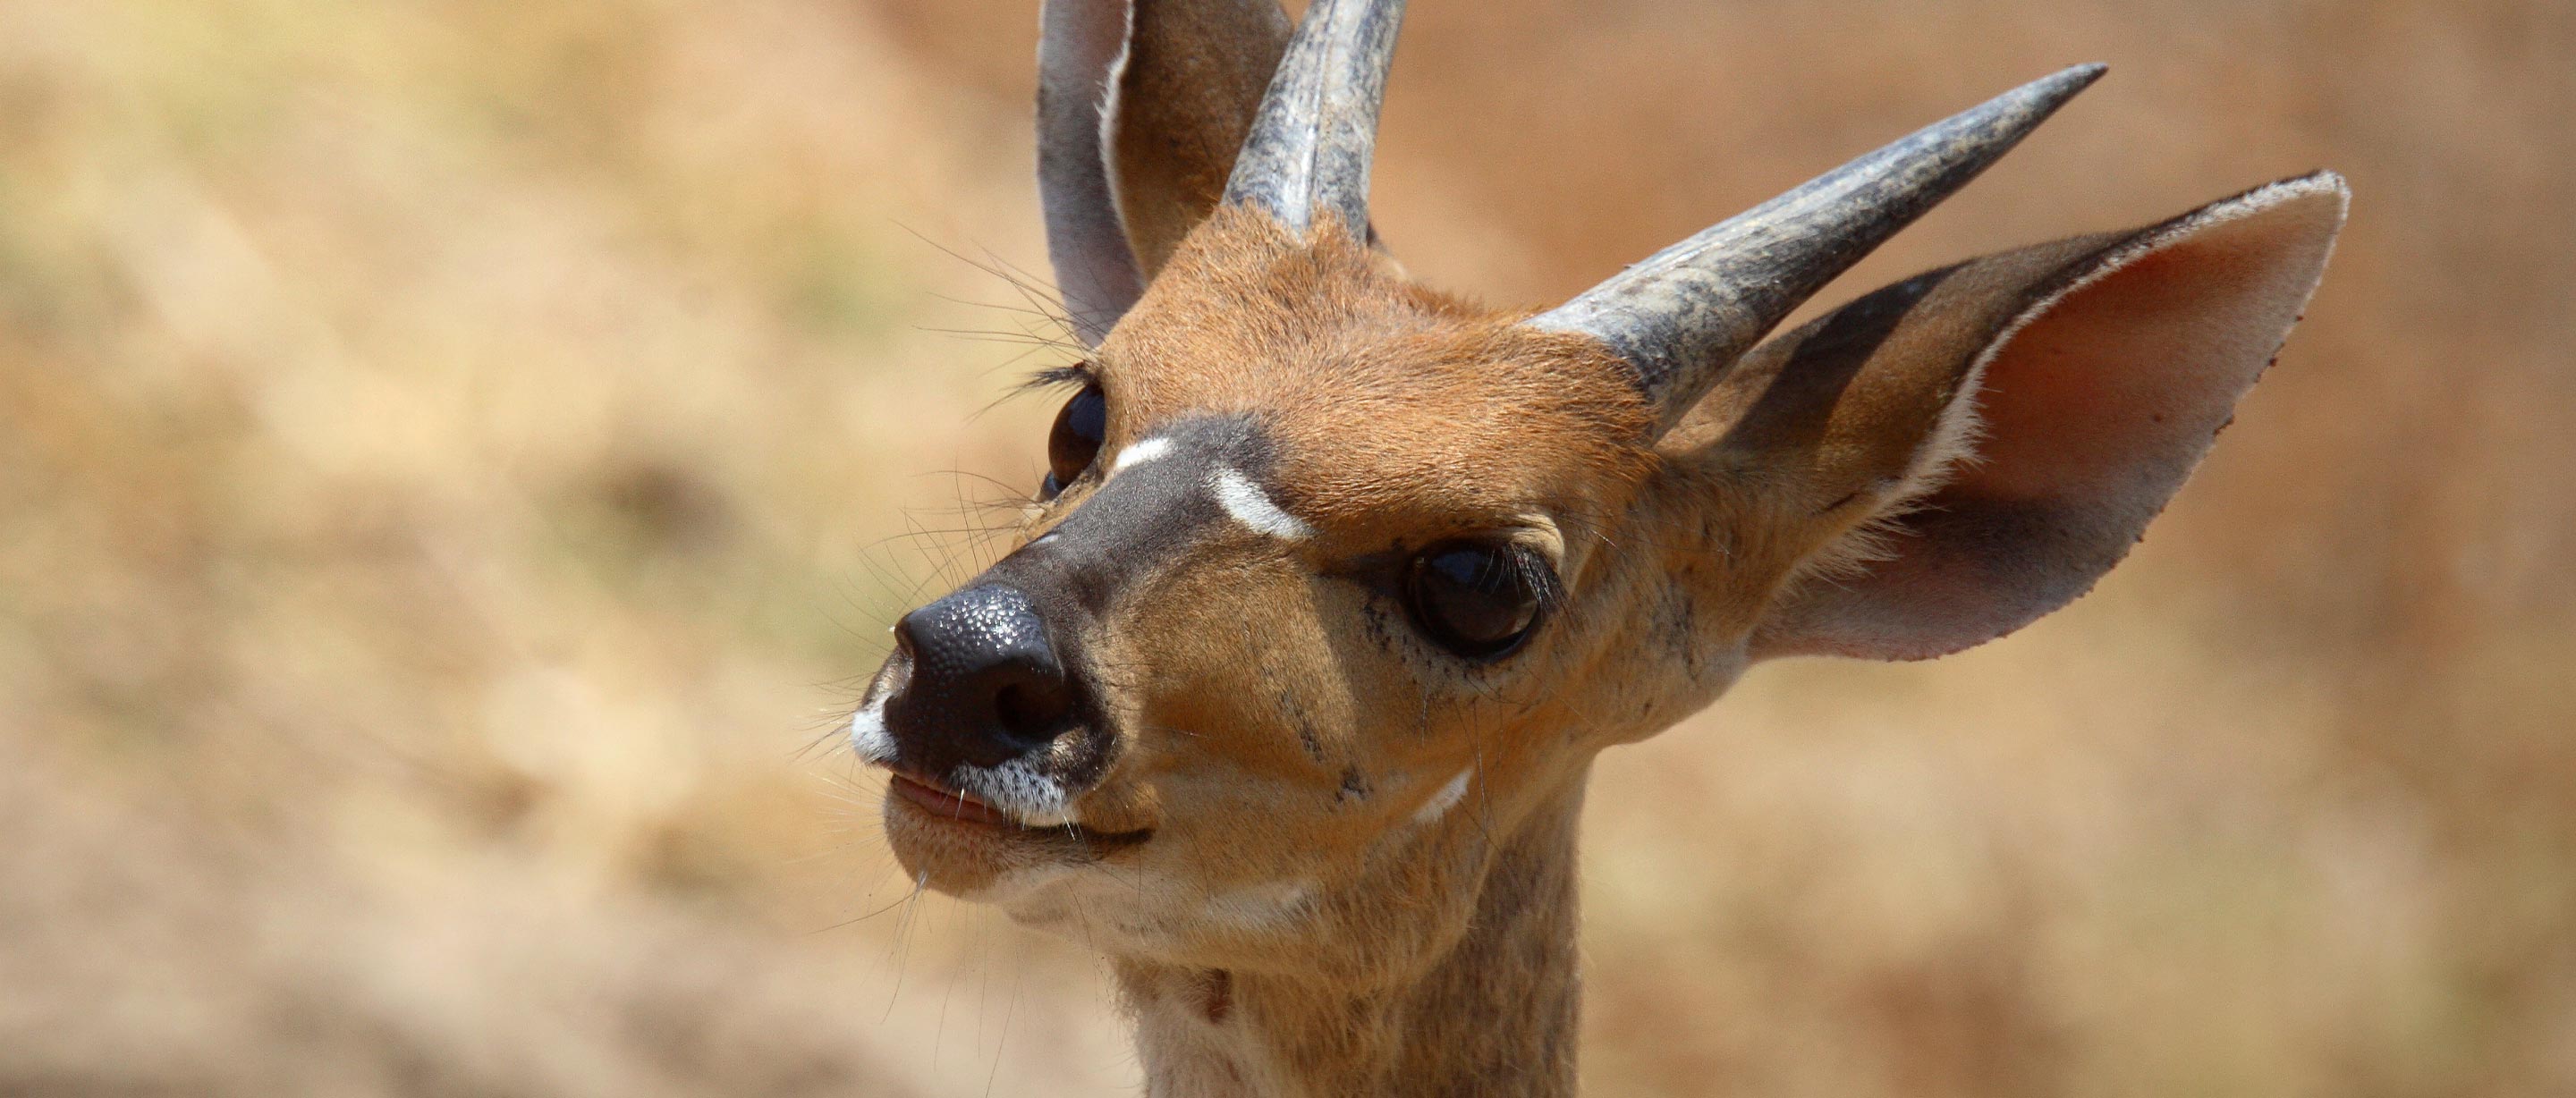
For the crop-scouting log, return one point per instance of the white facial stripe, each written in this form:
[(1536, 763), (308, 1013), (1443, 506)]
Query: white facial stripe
[(1148, 450), (868, 733), (1250, 506), (1444, 800)]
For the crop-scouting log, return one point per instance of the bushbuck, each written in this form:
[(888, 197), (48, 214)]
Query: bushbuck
[(1286, 697)]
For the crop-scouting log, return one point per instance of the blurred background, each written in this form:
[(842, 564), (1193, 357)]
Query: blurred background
[(458, 460)]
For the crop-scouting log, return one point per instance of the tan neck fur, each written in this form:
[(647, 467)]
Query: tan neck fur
[(1495, 1015)]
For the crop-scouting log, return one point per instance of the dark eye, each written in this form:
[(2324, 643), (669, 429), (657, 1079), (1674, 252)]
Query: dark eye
[(1075, 439), (1473, 599)]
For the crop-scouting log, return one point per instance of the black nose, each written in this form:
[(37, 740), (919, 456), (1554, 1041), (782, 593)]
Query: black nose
[(986, 684)]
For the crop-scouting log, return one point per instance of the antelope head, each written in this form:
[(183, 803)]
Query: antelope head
[(1339, 582)]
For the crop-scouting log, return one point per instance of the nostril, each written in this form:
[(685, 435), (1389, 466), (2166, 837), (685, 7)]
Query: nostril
[(1033, 712)]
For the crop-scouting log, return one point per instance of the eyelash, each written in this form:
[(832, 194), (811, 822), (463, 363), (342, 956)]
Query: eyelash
[(1053, 377)]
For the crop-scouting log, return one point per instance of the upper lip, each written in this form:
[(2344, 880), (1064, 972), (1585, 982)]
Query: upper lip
[(942, 800)]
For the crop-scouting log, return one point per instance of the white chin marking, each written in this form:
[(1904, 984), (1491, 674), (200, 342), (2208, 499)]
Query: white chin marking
[(1148, 450), (1444, 800), (1022, 793), (868, 733), (1250, 506)]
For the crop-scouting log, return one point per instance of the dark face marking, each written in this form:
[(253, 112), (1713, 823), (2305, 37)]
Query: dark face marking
[(1295, 714), (1139, 522), (1355, 785)]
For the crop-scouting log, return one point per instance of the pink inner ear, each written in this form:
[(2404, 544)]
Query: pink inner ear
[(2119, 388), (2093, 413)]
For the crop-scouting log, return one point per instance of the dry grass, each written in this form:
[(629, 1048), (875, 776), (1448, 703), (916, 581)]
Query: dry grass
[(453, 457)]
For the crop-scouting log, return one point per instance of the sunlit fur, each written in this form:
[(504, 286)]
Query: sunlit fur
[(1285, 770), (1327, 856), (1360, 876)]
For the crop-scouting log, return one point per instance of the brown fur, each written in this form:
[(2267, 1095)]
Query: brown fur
[(1295, 925), (1360, 871)]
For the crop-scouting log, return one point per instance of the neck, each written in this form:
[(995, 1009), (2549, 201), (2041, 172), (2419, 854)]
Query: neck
[(1495, 1014)]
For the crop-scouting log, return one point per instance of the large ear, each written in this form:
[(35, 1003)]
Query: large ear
[(1142, 105), (1983, 442)]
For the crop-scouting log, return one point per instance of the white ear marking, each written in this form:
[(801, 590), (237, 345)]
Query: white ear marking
[(1250, 506), (1109, 103), (1444, 800), (1151, 449)]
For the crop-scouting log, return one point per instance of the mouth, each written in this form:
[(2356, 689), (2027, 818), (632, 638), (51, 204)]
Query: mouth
[(948, 805), (922, 797)]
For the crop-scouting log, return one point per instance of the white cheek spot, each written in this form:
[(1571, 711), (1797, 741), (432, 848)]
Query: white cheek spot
[(1444, 800), (1250, 506), (1152, 449), (1261, 906), (868, 733)]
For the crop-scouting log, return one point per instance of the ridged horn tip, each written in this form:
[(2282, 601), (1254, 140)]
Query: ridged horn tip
[(1686, 313)]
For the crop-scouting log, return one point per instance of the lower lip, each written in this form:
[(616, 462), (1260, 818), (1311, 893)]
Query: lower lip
[(946, 805)]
